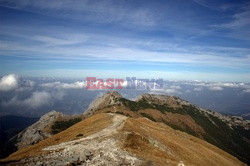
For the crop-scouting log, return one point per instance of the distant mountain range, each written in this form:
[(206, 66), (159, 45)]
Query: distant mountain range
[(152, 130)]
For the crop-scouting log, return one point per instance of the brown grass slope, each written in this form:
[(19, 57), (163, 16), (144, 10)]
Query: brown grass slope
[(86, 127), (149, 142)]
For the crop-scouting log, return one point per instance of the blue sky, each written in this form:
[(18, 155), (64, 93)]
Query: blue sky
[(181, 40)]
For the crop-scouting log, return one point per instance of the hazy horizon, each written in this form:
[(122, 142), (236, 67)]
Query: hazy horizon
[(36, 96)]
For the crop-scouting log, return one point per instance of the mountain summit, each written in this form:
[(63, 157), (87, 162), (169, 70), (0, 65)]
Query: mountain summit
[(230, 133), (107, 99)]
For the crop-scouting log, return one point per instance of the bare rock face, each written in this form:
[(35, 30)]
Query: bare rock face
[(36, 133), (172, 101), (109, 98), (232, 121)]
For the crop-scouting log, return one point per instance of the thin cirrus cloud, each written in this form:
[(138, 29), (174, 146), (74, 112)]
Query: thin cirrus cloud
[(121, 51), (239, 19), (83, 33), (52, 41), (97, 11)]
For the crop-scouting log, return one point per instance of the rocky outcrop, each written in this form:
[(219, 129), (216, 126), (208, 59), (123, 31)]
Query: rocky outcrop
[(107, 99), (36, 132), (232, 121), (170, 101)]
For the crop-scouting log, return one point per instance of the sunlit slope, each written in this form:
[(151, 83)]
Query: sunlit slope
[(113, 139)]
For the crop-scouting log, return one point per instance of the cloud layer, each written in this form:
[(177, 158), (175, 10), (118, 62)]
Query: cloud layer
[(37, 95), (62, 85), (36, 100)]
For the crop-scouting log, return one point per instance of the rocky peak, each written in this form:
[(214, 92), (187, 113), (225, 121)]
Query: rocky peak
[(109, 98), (48, 118), (113, 95)]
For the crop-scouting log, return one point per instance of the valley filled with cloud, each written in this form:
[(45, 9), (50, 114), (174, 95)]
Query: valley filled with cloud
[(36, 96)]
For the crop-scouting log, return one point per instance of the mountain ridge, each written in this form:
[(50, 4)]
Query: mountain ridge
[(113, 139), (229, 133)]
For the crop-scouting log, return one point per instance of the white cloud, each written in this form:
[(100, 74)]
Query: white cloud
[(217, 84), (175, 87), (198, 89), (246, 90), (215, 88), (232, 85), (170, 91), (239, 20), (8, 82), (167, 91), (58, 95), (118, 49), (54, 41), (61, 85), (36, 100), (25, 85)]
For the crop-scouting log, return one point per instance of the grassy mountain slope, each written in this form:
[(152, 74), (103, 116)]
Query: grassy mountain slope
[(113, 139)]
